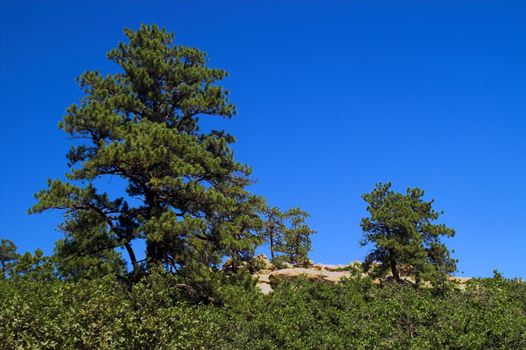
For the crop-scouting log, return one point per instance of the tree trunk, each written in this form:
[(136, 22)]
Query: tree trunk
[(394, 271), (133, 259), (272, 246), (153, 210), (153, 255)]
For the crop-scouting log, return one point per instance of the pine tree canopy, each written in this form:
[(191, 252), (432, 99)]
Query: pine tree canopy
[(8, 254), (288, 235), (297, 243), (406, 240), (185, 193), (273, 229)]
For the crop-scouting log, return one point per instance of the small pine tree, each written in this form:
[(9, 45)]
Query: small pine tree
[(296, 243), (406, 241), (35, 267), (8, 256), (273, 229)]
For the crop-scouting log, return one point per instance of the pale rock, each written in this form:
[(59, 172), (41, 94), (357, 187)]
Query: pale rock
[(265, 288)]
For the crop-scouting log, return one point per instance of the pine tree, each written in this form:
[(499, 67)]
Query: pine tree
[(35, 267), (406, 241), (273, 229), (8, 256), (185, 193), (87, 250), (296, 243)]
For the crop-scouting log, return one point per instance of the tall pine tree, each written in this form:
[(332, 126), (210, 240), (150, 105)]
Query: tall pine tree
[(185, 193)]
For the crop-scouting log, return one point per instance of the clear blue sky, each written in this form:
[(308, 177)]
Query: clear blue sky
[(332, 97)]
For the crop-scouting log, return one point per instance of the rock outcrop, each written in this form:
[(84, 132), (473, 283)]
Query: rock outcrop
[(318, 272)]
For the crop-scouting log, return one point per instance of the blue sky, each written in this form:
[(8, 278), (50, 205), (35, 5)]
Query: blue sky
[(332, 97)]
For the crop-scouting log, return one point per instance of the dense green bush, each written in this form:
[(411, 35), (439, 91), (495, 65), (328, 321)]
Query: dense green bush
[(490, 314), (355, 314)]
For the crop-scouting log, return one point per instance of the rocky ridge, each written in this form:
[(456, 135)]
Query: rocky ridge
[(319, 272)]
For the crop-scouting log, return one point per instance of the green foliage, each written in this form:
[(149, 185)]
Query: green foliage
[(299, 314), (74, 262), (185, 193), (87, 250), (273, 228), (406, 241), (34, 267), (8, 256), (296, 243), (101, 314), (288, 235)]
